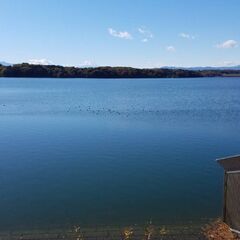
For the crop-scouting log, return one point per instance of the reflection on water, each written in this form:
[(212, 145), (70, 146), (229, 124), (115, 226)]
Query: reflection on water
[(77, 151)]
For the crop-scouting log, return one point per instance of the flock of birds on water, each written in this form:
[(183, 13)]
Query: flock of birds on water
[(44, 108), (101, 111), (109, 111)]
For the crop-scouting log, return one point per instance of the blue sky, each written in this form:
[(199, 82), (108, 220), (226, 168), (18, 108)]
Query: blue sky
[(137, 33)]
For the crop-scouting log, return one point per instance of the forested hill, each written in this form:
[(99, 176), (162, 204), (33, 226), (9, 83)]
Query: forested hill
[(53, 71)]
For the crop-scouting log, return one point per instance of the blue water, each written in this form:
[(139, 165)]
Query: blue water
[(85, 151)]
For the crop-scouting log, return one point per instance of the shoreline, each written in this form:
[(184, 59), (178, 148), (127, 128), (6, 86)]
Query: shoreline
[(54, 71), (147, 231)]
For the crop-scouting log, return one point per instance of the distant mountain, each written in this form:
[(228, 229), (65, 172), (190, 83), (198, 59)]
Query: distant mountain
[(237, 67), (215, 68), (5, 63)]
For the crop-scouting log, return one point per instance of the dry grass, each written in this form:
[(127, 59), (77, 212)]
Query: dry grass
[(79, 235), (149, 230), (127, 233), (218, 230), (163, 231)]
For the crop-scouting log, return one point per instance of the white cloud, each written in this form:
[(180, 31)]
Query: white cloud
[(145, 32), (145, 40), (170, 49), (40, 61), (87, 63), (147, 35), (186, 35), (119, 34), (228, 44), (227, 64), (141, 30)]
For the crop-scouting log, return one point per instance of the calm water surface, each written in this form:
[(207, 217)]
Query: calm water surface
[(114, 151)]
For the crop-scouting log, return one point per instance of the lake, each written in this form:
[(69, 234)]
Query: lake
[(111, 151)]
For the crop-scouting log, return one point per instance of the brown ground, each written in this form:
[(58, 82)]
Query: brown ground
[(218, 230)]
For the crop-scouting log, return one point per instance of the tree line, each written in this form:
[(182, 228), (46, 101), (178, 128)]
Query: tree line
[(55, 71)]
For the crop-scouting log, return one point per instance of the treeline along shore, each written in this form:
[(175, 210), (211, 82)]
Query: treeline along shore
[(54, 71)]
